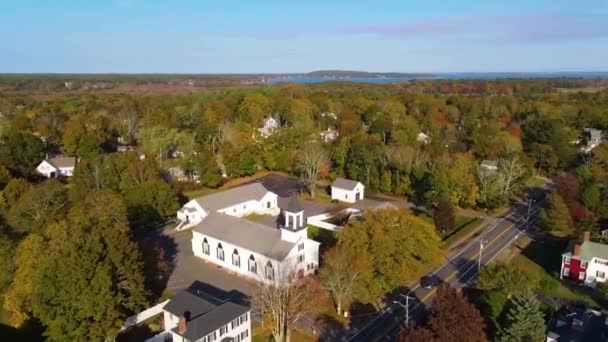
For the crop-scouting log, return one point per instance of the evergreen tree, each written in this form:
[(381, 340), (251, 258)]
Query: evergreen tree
[(525, 321), (556, 217)]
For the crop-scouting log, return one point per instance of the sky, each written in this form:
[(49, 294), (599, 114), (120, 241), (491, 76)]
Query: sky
[(259, 36)]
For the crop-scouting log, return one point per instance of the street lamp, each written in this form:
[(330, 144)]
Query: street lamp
[(406, 307), (481, 243)]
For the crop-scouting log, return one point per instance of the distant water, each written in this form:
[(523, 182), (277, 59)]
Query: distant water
[(445, 76)]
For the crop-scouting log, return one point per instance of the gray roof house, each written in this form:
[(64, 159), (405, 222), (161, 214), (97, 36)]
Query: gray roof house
[(347, 190), (195, 315), (57, 167)]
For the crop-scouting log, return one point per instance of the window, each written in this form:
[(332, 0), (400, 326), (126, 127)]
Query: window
[(244, 334), (211, 337), (205, 246), (244, 206), (268, 205), (566, 272), (269, 271), (583, 264), (236, 259), (300, 258), (345, 196), (567, 261), (251, 265), (220, 252), (581, 276), (223, 330), (234, 210), (301, 246), (600, 275)]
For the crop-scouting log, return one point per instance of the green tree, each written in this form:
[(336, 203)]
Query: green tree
[(7, 266), (38, 206), (21, 152), (525, 320), (556, 217), (393, 246), (15, 188), (591, 197), (508, 279), (87, 276)]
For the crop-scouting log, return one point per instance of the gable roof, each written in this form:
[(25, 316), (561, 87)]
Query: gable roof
[(588, 251), (246, 234), (206, 313), (62, 162), (345, 184), (234, 196)]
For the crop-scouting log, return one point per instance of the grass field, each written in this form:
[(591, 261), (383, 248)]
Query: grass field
[(541, 258)]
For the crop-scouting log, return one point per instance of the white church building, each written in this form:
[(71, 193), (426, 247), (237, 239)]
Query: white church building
[(222, 236)]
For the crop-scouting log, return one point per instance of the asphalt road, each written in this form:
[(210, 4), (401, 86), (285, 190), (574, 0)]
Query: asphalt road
[(459, 270)]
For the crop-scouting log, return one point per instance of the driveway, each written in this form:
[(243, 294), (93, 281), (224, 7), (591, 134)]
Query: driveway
[(189, 269)]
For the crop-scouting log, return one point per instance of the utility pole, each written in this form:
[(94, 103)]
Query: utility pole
[(406, 307)]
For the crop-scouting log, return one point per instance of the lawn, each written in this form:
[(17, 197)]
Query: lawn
[(464, 227), (541, 258), (321, 196)]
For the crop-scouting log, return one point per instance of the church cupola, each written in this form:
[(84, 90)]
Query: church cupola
[(294, 214)]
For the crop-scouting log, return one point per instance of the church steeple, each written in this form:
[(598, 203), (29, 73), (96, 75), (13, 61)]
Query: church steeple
[(294, 214)]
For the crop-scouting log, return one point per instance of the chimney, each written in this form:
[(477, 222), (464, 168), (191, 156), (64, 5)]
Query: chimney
[(577, 250), (182, 325), (586, 236)]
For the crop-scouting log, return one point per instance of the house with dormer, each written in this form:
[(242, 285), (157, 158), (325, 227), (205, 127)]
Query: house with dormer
[(221, 235), (585, 262)]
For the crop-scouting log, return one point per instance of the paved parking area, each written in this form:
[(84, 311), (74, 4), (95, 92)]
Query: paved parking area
[(283, 186), (189, 268)]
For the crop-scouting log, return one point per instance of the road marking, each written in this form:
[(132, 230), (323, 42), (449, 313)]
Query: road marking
[(453, 274)]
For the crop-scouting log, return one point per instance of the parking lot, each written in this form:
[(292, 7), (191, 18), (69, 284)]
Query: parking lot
[(283, 186)]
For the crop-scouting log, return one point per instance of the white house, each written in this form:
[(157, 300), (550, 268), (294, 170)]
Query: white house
[(270, 124), (196, 316), (249, 248), (329, 135), (57, 167), (594, 138), (585, 263), (346, 190)]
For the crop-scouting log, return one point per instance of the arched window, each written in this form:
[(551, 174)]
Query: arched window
[(251, 265), (269, 271), (205, 246), (236, 259), (220, 252)]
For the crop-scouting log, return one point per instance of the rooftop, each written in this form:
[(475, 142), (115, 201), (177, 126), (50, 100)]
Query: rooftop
[(230, 197), (590, 250), (205, 313), (62, 162), (246, 234), (344, 184)]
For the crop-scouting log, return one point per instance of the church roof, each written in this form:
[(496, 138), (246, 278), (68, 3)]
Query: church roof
[(246, 234), (234, 196)]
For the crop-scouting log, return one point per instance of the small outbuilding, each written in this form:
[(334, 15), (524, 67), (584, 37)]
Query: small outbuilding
[(346, 190)]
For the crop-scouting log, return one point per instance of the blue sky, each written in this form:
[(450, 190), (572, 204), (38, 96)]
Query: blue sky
[(228, 36)]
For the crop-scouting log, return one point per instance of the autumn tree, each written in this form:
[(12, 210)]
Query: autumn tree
[(453, 318), (311, 161), (38, 206), (81, 277), (283, 302), (393, 247), (340, 273), (445, 219), (525, 320)]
